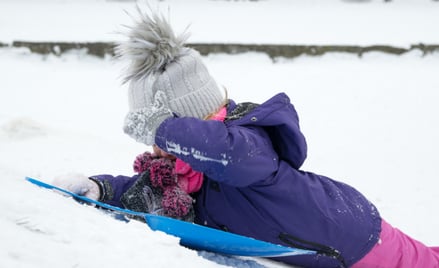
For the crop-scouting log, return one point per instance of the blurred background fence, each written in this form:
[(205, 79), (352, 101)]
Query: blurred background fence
[(102, 49)]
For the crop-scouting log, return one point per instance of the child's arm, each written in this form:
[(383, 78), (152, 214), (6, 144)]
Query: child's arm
[(104, 188), (113, 187), (236, 155)]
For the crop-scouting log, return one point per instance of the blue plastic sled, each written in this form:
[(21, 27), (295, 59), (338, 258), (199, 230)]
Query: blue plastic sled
[(196, 236)]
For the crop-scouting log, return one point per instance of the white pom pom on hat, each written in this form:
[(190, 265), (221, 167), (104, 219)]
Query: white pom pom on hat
[(151, 45), (159, 61)]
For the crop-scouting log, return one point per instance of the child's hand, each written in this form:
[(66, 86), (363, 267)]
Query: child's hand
[(78, 184)]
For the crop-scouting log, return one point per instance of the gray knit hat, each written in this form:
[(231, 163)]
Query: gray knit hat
[(163, 72)]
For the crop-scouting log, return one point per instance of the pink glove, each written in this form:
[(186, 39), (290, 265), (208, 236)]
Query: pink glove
[(78, 184)]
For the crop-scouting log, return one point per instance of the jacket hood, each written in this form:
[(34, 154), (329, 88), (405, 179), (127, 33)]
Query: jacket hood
[(279, 117)]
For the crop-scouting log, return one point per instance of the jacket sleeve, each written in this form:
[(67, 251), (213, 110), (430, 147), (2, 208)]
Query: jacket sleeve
[(113, 187), (235, 155)]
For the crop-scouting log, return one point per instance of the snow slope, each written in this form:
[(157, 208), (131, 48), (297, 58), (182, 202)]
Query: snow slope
[(371, 122)]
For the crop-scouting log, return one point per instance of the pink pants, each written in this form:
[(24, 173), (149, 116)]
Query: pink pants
[(396, 249)]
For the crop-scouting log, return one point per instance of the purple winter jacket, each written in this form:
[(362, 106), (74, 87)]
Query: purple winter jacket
[(253, 184)]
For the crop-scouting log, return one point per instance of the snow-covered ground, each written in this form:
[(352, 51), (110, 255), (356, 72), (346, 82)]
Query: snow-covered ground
[(371, 122)]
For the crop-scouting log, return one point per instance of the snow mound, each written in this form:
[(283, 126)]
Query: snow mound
[(22, 128)]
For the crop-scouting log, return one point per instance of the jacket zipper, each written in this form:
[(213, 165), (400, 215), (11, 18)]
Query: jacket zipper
[(308, 245)]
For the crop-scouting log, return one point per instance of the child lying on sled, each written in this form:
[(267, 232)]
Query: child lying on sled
[(240, 172)]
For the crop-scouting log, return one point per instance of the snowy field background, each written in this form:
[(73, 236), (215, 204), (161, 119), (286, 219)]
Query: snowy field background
[(372, 122)]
